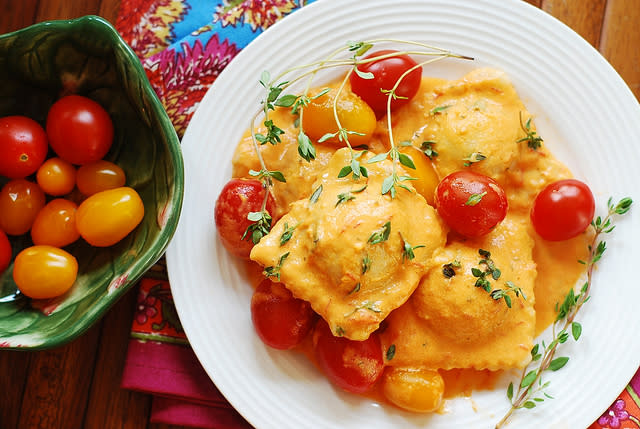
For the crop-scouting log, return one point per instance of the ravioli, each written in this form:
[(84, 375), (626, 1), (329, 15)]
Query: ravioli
[(449, 322), (347, 253)]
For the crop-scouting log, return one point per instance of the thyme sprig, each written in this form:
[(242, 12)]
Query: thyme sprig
[(483, 281), (530, 390), (275, 97), (534, 141)]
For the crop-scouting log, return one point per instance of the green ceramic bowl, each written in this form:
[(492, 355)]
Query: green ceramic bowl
[(86, 56)]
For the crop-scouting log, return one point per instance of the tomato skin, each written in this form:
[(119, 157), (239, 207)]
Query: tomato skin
[(563, 210), (354, 366), (385, 74), (452, 197), (5, 252), (280, 320), (20, 202), (56, 177), (107, 217), (99, 176), (353, 113), (23, 146), (44, 271), (237, 199), (418, 390), (55, 224), (79, 129)]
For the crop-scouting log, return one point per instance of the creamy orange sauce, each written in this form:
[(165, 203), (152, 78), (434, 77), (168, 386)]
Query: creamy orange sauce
[(444, 324)]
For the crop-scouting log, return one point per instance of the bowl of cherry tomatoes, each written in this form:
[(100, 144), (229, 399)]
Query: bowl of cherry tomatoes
[(91, 178)]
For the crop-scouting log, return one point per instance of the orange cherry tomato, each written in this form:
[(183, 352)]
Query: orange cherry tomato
[(107, 217), (56, 177), (414, 389), (99, 176), (20, 202), (44, 271), (55, 224)]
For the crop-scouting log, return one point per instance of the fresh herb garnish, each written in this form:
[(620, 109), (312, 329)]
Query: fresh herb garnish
[(449, 269), (348, 196), (427, 149), (286, 234), (391, 352), (407, 249), (531, 390), (380, 235), (473, 158), (534, 141), (475, 199), (275, 271), (259, 228)]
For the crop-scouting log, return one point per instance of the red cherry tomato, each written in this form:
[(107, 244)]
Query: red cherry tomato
[(354, 366), (23, 146), (237, 199), (20, 202), (280, 320), (79, 129), (5, 252), (563, 210), (470, 203), (386, 72)]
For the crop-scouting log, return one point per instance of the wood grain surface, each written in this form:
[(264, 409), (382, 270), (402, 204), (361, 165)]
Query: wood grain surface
[(77, 385)]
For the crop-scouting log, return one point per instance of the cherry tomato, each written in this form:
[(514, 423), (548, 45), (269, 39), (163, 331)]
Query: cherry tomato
[(107, 217), (99, 176), (354, 114), (470, 203), (238, 198), (79, 129), (20, 202), (418, 390), (354, 366), (56, 177), (563, 210), (23, 146), (5, 252), (426, 178), (280, 320), (44, 271), (386, 73), (55, 224)]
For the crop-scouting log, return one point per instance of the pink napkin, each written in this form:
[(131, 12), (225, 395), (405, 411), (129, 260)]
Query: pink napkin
[(160, 362)]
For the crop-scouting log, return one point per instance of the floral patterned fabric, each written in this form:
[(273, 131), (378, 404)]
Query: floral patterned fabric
[(184, 45)]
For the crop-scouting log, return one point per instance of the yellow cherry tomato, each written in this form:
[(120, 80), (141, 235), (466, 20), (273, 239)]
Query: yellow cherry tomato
[(426, 177), (55, 224), (99, 176), (44, 271), (56, 177), (107, 217), (354, 114), (417, 390), (20, 202)]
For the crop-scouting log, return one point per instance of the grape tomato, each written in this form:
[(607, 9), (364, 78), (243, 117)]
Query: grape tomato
[(55, 224), (23, 146), (354, 366), (238, 198), (280, 320), (20, 202), (107, 217), (386, 72), (44, 271), (99, 176), (79, 129), (563, 210), (471, 204)]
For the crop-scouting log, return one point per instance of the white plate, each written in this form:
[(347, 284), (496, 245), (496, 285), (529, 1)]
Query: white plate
[(585, 113)]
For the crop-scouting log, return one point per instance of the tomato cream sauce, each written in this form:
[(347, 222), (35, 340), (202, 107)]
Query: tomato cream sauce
[(434, 322)]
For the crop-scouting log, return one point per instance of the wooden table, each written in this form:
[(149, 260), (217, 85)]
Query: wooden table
[(78, 385)]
